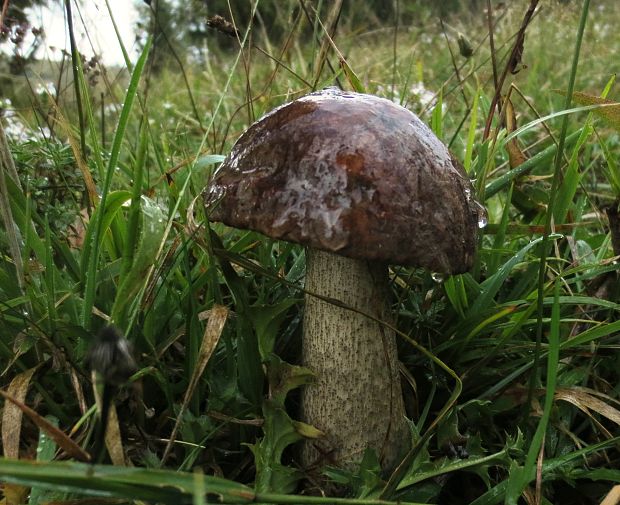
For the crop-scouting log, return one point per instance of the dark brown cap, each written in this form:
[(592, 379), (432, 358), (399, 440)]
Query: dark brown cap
[(353, 174)]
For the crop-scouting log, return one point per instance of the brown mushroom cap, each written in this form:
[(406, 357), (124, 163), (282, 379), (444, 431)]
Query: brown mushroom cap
[(352, 174)]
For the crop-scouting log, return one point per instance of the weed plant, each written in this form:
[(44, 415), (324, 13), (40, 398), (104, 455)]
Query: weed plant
[(515, 398)]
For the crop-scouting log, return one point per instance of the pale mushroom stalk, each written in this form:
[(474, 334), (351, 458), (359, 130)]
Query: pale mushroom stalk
[(357, 399)]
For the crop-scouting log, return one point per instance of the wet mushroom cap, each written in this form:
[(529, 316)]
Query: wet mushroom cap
[(352, 174)]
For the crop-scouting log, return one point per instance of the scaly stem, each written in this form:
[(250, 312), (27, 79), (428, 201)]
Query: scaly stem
[(356, 399)]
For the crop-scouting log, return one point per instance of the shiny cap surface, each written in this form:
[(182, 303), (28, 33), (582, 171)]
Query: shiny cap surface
[(352, 174)]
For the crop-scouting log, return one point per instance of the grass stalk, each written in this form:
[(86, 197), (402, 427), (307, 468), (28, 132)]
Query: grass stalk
[(91, 280), (557, 175)]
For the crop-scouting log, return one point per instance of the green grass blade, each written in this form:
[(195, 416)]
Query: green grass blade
[(131, 240), (142, 238), (93, 258), (437, 117), (471, 135), (592, 334), (564, 114), (50, 285), (147, 243), (571, 177), (557, 174), (537, 160), (46, 449), (118, 36), (521, 476), (157, 486), (496, 494), (456, 293), (133, 483), (100, 222), (491, 286)]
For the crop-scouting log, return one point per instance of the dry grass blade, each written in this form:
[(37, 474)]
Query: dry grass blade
[(12, 415), (113, 440), (217, 320), (587, 402), (516, 156), (329, 26), (351, 76), (62, 440), (6, 159), (89, 182), (610, 112), (79, 392), (7, 169), (513, 60), (613, 497), (15, 494)]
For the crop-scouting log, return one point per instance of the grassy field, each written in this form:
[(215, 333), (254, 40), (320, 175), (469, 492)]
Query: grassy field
[(511, 372)]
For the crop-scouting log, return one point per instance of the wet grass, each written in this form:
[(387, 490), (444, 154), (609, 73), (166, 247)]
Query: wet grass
[(519, 403)]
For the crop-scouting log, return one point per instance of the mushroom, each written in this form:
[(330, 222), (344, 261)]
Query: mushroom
[(362, 183)]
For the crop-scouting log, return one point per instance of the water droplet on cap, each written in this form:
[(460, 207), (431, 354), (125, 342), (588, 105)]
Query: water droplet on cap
[(483, 219), (438, 277)]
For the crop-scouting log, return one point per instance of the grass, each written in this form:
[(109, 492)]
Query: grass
[(511, 369)]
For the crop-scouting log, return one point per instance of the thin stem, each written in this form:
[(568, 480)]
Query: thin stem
[(162, 33), (75, 55), (492, 42), (557, 174), (395, 46), (514, 56)]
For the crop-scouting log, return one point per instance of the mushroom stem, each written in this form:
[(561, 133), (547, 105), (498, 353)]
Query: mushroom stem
[(356, 399)]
